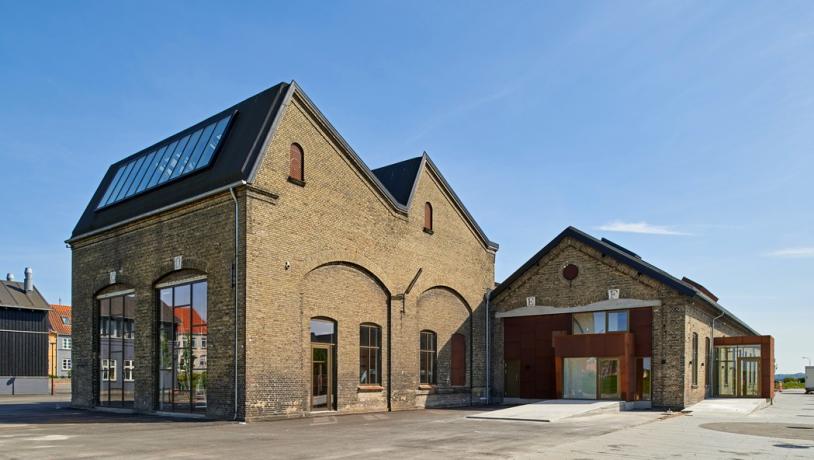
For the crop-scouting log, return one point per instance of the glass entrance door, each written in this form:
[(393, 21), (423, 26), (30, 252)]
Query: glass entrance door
[(321, 378), (608, 378), (749, 377)]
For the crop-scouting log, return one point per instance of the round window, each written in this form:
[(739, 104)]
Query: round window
[(570, 272)]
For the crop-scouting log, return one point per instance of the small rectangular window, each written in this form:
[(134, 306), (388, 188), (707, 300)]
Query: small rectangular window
[(617, 321), (66, 364)]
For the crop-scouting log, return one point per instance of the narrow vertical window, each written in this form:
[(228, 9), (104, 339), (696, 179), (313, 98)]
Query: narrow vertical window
[(370, 347), (427, 358), (706, 360), (458, 377), (695, 359), (296, 164), (428, 217)]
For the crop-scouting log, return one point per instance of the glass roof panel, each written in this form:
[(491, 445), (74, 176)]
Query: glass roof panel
[(202, 143), (182, 162), (170, 159)]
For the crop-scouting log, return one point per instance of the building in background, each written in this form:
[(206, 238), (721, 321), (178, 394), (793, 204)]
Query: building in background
[(23, 337), (585, 318), (59, 341)]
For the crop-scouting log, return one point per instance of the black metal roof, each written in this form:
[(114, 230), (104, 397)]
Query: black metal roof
[(233, 162), (13, 295), (237, 160), (399, 178), (624, 256)]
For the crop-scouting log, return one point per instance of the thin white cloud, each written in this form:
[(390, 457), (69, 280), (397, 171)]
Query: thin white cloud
[(793, 253), (639, 227)]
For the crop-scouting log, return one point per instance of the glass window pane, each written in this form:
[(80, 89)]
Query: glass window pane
[(213, 143), (182, 296), (162, 164), (148, 173), (322, 331), (579, 378), (184, 158), (112, 186), (583, 323), (364, 336), (174, 160), (617, 321), (165, 296), (199, 303), (599, 322), (608, 378), (122, 182), (128, 181), (199, 149), (141, 169)]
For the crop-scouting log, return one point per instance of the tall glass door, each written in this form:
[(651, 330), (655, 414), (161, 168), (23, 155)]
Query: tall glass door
[(321, 378), (608, 378), (749, 377)]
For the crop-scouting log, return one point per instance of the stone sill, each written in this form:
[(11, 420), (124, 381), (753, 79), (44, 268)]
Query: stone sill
[(294, 181), (369, 388)]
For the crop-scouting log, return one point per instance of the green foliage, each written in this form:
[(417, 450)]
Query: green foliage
[(792, 382)]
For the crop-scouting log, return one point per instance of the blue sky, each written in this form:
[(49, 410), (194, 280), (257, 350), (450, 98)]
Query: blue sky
[(682, 130)]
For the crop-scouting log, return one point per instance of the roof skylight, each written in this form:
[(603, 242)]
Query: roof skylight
[(171, 159)]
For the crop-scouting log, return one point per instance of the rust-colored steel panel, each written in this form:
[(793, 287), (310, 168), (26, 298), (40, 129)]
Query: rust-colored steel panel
[(529, 340), (641, 325)]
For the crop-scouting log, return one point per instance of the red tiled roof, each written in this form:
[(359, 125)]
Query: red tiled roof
[(199, 326), (55, 322)]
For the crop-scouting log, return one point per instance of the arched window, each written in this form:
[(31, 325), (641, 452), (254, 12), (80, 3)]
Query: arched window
[(458, 377), (370, 354), (428, 217), (116, 347), (427, 358), (296, 164)]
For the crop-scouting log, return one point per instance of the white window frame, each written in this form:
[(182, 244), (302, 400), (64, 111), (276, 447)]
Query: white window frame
[(109, 370), (127, 370), (66, 364), (66, 343)]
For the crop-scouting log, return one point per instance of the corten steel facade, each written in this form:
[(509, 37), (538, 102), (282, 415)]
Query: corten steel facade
[(664, 324), (280, 242)]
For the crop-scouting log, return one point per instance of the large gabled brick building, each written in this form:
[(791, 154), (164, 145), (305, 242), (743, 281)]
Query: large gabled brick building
[(252, 266)]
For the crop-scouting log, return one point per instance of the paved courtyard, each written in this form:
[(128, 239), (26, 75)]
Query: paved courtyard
[(41, 427)]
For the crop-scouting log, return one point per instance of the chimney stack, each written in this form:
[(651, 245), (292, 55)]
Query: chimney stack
[(29, 280), (9, 276)]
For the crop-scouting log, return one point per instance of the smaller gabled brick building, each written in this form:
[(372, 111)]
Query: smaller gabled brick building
[(588, 319)]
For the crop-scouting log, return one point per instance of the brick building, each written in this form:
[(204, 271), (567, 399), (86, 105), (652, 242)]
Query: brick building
[(252, 266), (588, 319)]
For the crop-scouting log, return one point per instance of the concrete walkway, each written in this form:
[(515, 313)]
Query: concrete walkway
[(723, 406), (550, 410)]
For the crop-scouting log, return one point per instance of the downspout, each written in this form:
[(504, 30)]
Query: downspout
[(711, 356), (488, 351), (236, 283)]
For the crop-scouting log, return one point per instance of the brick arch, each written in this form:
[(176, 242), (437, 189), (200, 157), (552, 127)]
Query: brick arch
[(449, 289), (178, 275), (348, 294), (115, 287), (167, 268), (303, 267), (443, 310)]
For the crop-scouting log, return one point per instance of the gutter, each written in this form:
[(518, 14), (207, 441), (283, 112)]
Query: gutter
[(236, 284), (156, 211)]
